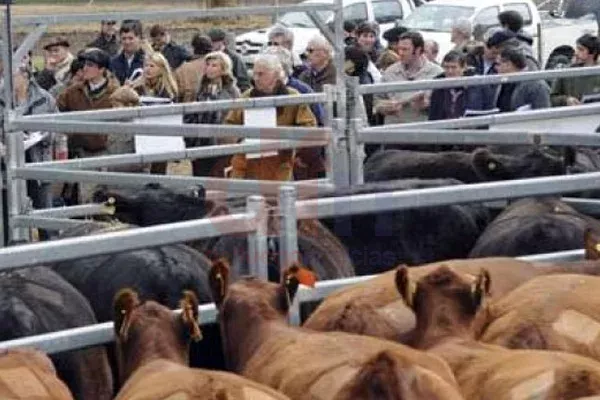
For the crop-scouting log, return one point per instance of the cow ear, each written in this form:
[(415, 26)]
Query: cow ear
[(189, 314), (218, 278), (592, 245), (292, 277), (406, 288), (126, 300), (480, 288)]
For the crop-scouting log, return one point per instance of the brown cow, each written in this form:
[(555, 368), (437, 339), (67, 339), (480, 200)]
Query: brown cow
[(28, 374), (445, 304), (374, 308), (556, 312), (153, 347), (259, 344)]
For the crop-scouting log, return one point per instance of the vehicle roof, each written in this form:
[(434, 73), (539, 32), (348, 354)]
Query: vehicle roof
[(476, 3), (346, 2)]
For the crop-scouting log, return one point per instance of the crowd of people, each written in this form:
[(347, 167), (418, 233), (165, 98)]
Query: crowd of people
[(121, 67)]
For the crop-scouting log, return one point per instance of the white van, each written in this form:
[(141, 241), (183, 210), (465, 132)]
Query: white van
[(385, 12), (434, 19)]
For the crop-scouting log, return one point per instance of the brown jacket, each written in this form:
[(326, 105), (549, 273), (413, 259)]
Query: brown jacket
[(316, 80), (188, 79), (77, 98)]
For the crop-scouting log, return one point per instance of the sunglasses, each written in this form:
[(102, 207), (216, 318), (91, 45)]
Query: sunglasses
[(273, 44)]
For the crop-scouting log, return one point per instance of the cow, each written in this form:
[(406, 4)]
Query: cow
[(374, 307), (534, 225), (478, 166), (28, 374), (36, 300), (445, 304), (155, 204), (158, 273), (260, 345), (153, 348), (380, 241)]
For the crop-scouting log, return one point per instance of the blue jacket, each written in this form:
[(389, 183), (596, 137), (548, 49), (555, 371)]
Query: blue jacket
[(119, 67), (316, 108)]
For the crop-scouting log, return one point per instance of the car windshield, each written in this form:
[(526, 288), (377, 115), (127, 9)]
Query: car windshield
[(301, 19), (436, 17)]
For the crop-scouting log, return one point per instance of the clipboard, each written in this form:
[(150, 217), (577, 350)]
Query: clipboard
[(262, 118)]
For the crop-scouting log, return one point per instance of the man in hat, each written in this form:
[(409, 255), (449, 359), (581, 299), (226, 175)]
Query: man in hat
[(107, 39), (367, 35), (507, 39), (58, 57), (91, 94), (390, 55), (219, 43), (188, 75), (161, 41)]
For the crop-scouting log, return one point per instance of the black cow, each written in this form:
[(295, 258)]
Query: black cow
[(479, 166), (378, 242), (159, 274), (534, 226), (37, 300)]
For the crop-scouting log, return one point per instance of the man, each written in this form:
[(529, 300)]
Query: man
[(367, 38), (569, 91), (282, 36), (58, 57), (520, 95), (349, 33), (432, 49), (91, 94), (132, 55), (268, 74), (75, 76), (460, 34), (321, 70), (505, 39), (161, 41), (390, 55), (402, 107), (107, 39), (188, 75), (219, 43), (513, 21)]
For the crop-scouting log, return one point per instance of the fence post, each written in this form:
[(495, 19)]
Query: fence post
[(288, 228), (16, 188), (356, 117), (257, 240)]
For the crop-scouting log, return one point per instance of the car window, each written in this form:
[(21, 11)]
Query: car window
[(355, 12), (436, 17), (387, 11), (301, 20), (523, 9), (487, 18)]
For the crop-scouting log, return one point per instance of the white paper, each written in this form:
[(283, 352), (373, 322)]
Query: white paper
[(480, 113), (33, 138), (262, 118), (526, 107), (159, 144)]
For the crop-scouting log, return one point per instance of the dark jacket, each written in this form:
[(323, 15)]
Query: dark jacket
[(109, 45), (317, 79), (175, 54), (533, 93), (453, 102), (302, 88), (239, 71), (122, 71)]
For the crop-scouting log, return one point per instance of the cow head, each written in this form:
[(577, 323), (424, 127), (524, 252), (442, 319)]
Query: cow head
[(149, 330), (444, 302), (534, 162), (592, 245)]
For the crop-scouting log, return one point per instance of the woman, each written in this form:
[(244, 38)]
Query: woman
[(156, 81), (217, 83), (269, 78)]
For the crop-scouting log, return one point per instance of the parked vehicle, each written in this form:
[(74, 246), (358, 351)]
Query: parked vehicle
[(385, 12), (434, 19)]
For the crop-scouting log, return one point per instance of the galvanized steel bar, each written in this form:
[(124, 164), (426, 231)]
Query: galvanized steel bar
[(126, 240), (569, 255), (7, 112), (475, 136), (339, 59), (14, 187), (87, 336), (429, 84), (182, 108), (186, 130), (257, 239), (191, 153), (83, 210), (54, 224), (455, 194), (586, 206), (166, 14), (498, 119), (29, 42), (288, 229), (173, 181)]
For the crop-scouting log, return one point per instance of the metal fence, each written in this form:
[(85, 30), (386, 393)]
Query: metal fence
[(344, 137)]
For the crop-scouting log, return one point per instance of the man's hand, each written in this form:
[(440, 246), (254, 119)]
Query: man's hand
[(572, 101)]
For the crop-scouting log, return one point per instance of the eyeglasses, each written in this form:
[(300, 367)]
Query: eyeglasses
[(311, 50), (273, 44)]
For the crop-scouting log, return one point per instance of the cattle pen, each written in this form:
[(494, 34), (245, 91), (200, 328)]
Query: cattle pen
[(343, 136)]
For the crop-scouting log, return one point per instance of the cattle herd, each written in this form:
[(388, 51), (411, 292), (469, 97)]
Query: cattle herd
[(451, 313)]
